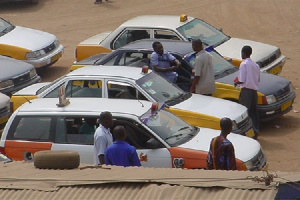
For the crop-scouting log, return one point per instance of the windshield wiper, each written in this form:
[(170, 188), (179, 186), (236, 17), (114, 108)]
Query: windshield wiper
[(183, 128), (178, 135)]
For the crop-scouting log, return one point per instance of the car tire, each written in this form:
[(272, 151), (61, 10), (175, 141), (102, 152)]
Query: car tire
[(56, 159), (34, 1)]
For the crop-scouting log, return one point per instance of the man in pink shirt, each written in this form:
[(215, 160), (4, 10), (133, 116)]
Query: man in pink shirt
[(248, 79)]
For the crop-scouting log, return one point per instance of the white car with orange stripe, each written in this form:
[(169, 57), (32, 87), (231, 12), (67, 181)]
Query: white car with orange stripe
[(161, 138)]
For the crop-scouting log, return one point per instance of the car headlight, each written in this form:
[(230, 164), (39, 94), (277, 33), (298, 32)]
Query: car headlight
[(268, 99), (291, 88), (234, 125), (258, 162), (32, 73), (56, 43), (6, 84), (35, 54)]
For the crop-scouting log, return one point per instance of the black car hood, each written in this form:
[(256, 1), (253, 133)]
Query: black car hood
[(269, 83)]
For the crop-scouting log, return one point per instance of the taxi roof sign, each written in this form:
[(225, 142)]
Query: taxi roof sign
[(63, 101), (183, 18)]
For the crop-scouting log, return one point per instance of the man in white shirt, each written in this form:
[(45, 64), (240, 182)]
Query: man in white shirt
[(248, 79), (204, 79), (103, 137)]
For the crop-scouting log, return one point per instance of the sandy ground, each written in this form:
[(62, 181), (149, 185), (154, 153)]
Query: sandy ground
[(274, 22)]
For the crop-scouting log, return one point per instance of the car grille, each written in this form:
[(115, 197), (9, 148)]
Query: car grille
[(19, 80), (49, 48), (4, 111), (283, 93), (245, 125), (259, 161), (270, 59)]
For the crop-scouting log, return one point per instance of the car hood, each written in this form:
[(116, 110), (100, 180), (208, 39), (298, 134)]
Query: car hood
[(245, 147), (221, 108), (266, 85), (232, 49), (4, 100), (27, 38), (31, 90), (11, 67), (96, 39)]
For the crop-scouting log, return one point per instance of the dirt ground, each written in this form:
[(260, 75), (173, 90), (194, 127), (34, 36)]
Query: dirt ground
[(274, 22)]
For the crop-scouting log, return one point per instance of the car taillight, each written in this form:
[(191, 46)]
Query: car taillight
[(2, 150)]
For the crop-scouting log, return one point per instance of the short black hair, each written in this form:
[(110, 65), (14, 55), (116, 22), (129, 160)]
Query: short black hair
[(197, 42), (119, 132), (226, 124), (104, 117), (247, 50), (154, 44)]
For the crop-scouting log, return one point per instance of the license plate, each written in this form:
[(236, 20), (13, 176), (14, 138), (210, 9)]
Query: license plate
[(286, 105), (250, 133), (4, 119), (275, 70), (56, 57)]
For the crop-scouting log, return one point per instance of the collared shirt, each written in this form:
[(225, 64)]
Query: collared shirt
[(204, 69), (102, 139), (120, 153), (221, 154), (249, 74), (164, 61)]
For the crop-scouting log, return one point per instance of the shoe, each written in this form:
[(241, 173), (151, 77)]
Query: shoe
[(97, 2)]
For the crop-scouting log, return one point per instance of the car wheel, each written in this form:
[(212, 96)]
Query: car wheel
[(56, 159), (34, 1)]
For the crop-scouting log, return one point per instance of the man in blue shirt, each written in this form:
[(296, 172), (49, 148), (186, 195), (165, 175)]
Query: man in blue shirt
[(164, 63), (120, 153)]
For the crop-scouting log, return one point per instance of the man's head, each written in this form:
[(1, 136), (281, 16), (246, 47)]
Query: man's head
[(119, 133), (197, 45), (226, 126), (106, 119), (246, 52), (158, 48)]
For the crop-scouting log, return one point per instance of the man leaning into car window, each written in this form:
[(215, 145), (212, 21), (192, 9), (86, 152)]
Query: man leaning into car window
[(164, 63)]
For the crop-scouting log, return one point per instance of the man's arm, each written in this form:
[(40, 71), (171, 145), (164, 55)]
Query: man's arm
[(101, 159), (194, 83)]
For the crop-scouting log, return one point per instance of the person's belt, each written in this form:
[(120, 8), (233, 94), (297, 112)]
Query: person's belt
[(244, 88)]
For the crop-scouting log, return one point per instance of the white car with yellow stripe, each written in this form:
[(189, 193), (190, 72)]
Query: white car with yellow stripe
[(183, 28), (131, 83), (161, 138), (36, 47)]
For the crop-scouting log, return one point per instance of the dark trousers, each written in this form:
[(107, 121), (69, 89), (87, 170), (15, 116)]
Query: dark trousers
[(248, 98)]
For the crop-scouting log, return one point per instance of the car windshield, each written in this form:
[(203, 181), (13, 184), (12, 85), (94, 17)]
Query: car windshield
[(220, 64), (208, 34), (5, 27), (169, 127), (160, 89)]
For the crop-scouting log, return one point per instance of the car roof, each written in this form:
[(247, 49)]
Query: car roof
[(174, 46), (108, 70), (156, 21), (86, 106)]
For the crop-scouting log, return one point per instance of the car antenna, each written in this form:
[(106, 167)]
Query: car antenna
[(27, 99)]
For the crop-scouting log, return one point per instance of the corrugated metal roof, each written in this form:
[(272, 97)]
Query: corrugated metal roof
[(21, 180)]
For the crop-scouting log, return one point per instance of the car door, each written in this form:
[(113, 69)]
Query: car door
[(66, 138), (151, 151)]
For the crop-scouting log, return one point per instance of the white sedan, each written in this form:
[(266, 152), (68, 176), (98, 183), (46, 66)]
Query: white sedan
[(131, 83), (4, 109), (183, 28), (36, 47)]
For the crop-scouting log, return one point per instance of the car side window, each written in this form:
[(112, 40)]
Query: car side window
[(136, 59), (137, 136), (76, 130), (35, 128), (121, 90), (165, 34), (129, 36)]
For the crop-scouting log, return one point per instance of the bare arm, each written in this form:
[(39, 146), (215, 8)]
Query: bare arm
[(194, 83)]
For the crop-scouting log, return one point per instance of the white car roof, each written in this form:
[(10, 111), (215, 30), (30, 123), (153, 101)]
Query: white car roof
[(156, 21), (134, 73), (86, 105)]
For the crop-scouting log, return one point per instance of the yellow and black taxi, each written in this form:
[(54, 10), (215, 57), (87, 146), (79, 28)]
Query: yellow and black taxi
[(184, 28), (275, 94), (39, 48)]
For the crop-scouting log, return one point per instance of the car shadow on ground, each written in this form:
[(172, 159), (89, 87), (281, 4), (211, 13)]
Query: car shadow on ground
[(22, 5)]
